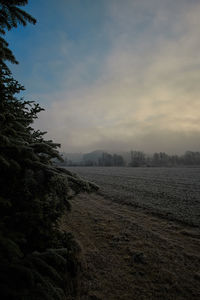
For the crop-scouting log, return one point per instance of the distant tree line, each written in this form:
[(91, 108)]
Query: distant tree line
[(111, 160), (161, 159), (136, 159), (104, 160)]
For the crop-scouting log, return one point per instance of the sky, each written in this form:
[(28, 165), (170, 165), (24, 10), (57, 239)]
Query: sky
[(113, 74)]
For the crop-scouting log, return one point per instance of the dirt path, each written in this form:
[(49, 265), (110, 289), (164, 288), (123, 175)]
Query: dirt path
[(133, 255)]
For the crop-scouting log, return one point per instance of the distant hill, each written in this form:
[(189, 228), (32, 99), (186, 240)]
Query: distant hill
[(93, 156), (74, 157)]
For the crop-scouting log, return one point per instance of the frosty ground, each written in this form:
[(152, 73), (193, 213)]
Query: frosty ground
[(173, 193), (140, 236)]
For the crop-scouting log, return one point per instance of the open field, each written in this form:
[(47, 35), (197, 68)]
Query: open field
[(173, 193), (131, 255), (140, 237)]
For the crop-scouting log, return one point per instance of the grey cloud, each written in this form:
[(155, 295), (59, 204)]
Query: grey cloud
[(147, 93)]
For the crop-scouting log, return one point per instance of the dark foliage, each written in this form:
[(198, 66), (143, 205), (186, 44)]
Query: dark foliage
[(37, 261)]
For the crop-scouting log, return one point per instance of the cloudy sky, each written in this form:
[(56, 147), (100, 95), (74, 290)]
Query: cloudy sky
[(114, 74)]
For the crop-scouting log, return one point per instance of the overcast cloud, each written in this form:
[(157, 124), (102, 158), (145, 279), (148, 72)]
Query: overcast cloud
[(142, 93)]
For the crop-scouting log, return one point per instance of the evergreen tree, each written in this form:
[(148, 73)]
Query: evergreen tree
[(37, 260)]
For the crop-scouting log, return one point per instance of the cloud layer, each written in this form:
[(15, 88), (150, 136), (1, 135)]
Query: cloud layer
[(142, 92)]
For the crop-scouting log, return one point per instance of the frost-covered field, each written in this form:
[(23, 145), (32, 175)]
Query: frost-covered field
[(171, 192)]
